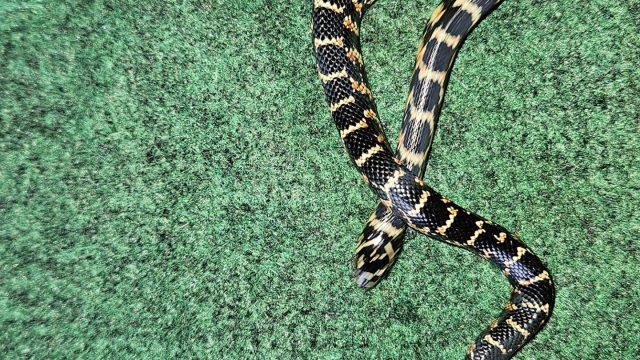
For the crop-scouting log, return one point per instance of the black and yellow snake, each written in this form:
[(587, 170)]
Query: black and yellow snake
[(404, 198)]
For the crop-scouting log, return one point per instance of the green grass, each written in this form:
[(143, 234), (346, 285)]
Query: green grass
[(171, 183)]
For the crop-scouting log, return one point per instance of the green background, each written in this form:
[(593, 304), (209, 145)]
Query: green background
[(171, 183)]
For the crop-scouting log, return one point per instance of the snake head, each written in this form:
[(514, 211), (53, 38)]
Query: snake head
[(378, 247)]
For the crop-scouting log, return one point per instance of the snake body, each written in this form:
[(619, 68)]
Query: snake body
[(404, 197), (382, 237)]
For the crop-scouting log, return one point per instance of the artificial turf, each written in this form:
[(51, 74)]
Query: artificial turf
[(171, 183)]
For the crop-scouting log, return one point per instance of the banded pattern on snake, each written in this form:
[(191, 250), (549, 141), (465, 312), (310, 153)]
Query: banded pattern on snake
[(404, 197), (382, 237)]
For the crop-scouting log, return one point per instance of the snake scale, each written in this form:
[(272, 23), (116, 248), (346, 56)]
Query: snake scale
[(404, 197)]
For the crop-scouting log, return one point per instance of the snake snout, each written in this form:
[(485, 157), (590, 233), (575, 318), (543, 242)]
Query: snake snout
[(363, 279)]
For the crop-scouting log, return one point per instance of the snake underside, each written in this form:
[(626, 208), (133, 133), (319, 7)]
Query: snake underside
[(404, 197)]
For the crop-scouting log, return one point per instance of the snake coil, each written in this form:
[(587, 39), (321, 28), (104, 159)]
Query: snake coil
[(404, 197)]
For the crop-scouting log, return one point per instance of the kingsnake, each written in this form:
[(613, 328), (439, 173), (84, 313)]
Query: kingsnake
[(404, 197)]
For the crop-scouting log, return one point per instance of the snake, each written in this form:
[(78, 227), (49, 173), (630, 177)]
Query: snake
[(381, 239), (404, 197)]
